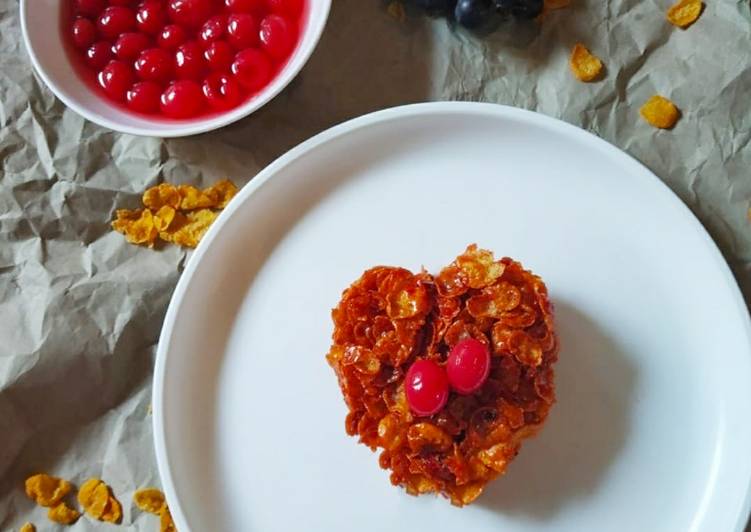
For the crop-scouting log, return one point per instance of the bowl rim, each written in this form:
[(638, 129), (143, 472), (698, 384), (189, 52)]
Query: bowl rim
[(193, 127)]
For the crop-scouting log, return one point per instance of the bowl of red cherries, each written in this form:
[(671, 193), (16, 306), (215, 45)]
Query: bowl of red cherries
[(169, 68)]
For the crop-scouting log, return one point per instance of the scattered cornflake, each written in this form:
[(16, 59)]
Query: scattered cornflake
[(161, 195), (97, 500), (46, 490), (165, 521), (179, 214), (63, 514), (28, 527), (395, 9), (149, 500), (197, 223), (685, 12), (660, 112), (584, 65)]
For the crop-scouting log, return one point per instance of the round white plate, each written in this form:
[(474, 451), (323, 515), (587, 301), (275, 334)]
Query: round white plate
[(651, 430)]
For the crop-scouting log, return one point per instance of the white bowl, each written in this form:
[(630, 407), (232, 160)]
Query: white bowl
[(42, 33)]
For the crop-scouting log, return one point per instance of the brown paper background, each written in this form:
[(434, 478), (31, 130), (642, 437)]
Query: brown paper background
[(80, 310)]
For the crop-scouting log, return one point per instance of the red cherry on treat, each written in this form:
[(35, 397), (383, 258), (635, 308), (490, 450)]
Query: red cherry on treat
[(243, 6), (190, 13), (116, 20), (290, 8), (150, 17), (126, 3), (171, 37), (182, 99), (221, 91), (154, 64), (242, 30), (277, 36), (90, 8), (99, 54), (189, 61), (144, 97), (213, 29), (427, 387), (219, 56), (252, 69), (115, 79), (84, 33), (468, 365), (129, 45)]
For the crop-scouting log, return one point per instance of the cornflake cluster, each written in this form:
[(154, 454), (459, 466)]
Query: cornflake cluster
[(179, 214), (389, 318)]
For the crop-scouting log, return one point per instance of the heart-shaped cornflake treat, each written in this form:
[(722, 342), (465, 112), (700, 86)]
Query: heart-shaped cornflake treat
[(390, 318)]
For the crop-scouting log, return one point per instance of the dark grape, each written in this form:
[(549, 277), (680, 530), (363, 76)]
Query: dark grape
[(526, 9), (474, 14)]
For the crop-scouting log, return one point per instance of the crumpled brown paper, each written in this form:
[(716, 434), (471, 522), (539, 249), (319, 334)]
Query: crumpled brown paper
[(80, 309)]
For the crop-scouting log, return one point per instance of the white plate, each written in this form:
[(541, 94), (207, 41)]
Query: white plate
[(651, 430)]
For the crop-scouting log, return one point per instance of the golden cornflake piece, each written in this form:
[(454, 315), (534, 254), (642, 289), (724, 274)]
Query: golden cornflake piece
[(222, 192), (165, 521), (685, 12), (660, 112), (149, 500), (113, 512), (164, 217), (28, 527), (97, 500), (137, 226), (198, 222), (164, 194), (191, 198), (584, 65), (63, 514), (46, 490)]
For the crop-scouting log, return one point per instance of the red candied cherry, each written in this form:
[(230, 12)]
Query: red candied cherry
[(213, 29), (244, 6), (426, 387), (144, 97), (115, 79), (171, 37), (252, 69), (291, 8), (99, 54), (125, 3), (116, 20), (242, 30), (221, 91), (277, 36), (90, 8), (154, 64), (84, 33), (189, 61), (182, 99), (468, 365), (219, 56), (190, 13), (129, 45), (150, 17)]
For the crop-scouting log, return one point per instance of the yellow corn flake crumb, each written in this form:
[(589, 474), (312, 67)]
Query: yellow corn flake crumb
[(63, 514), (685, 12), (222, 192), (161, 195), (165, 521), (660, 112), (46, 490), (164, 217), (584, 65), (149, 500), (138, 226), (28, 527), (395, 9), (97, 500), (192, 198), (196, 225)]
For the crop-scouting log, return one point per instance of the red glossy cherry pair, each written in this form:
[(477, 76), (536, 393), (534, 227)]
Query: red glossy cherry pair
[(427, 383)]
